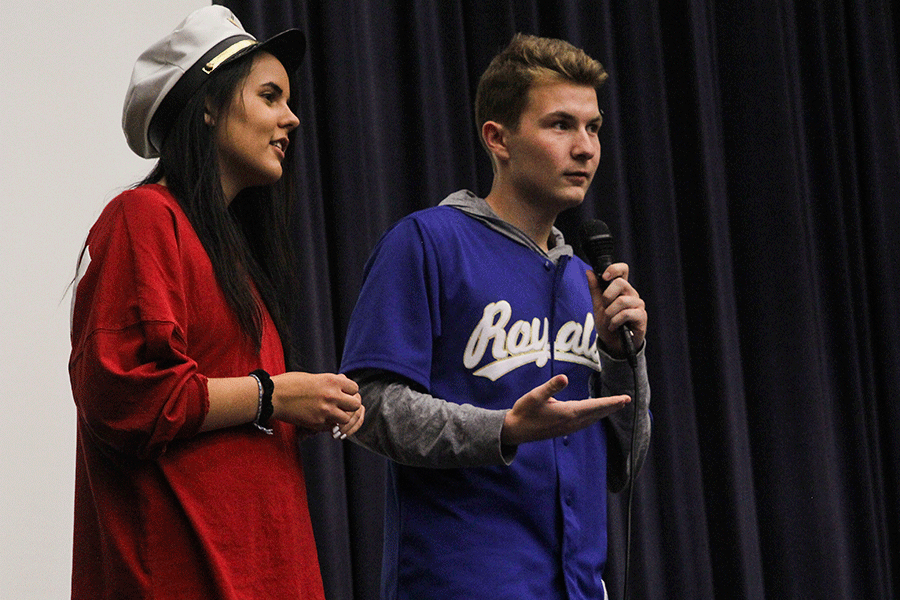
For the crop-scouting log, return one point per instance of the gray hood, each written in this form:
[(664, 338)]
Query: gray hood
[(478, 208)]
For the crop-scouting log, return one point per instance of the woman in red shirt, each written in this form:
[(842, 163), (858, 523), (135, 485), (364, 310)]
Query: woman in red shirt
[(189, 482)]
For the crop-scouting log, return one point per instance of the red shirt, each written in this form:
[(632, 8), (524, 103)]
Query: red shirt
[(162, 511)]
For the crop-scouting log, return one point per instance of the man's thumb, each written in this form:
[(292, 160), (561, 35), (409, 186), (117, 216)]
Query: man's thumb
[(554, 385)]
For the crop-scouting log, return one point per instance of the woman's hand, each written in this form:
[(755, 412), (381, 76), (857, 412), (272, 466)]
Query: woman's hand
[(318, 401)]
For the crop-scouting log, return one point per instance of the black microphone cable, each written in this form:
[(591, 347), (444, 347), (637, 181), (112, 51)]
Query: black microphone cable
[(631, 475), (597, 244)]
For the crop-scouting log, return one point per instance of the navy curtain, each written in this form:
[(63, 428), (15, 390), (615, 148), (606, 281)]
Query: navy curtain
[(751, 176)]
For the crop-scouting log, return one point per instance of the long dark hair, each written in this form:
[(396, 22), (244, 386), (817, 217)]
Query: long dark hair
[(248, 240)]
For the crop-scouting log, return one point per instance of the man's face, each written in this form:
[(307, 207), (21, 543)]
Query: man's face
[(554, 153)]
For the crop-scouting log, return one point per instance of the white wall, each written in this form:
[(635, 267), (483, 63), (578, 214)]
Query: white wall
[(65, 67)]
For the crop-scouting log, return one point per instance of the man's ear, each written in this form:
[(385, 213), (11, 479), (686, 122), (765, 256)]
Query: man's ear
[(495, 137)]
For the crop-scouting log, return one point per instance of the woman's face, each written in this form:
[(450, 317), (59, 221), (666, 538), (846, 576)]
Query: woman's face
[(252, 134)]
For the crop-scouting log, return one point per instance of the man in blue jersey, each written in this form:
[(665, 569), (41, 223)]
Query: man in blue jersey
[(489, 361)]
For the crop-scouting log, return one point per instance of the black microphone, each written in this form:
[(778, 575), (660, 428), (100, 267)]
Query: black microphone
[(597, 245)]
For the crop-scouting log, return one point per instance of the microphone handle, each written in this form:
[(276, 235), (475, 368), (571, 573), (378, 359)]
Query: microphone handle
[(628, 344)]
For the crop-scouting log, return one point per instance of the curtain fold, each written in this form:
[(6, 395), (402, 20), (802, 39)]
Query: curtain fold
[(751, 178)]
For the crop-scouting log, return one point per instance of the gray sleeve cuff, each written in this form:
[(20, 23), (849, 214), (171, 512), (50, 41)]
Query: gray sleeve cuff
[(617, 377), (415, 428)]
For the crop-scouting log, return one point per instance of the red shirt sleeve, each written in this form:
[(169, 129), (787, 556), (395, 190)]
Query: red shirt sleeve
[(134, 383)]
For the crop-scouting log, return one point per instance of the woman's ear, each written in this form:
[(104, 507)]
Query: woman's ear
[(209, 116)]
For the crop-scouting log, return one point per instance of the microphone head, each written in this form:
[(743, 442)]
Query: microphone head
[(596, 240)]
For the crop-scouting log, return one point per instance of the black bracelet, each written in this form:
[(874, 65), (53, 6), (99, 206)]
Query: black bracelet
[(265, 408)]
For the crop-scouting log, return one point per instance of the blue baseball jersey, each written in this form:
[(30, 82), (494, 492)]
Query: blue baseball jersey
[(476, 317)]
